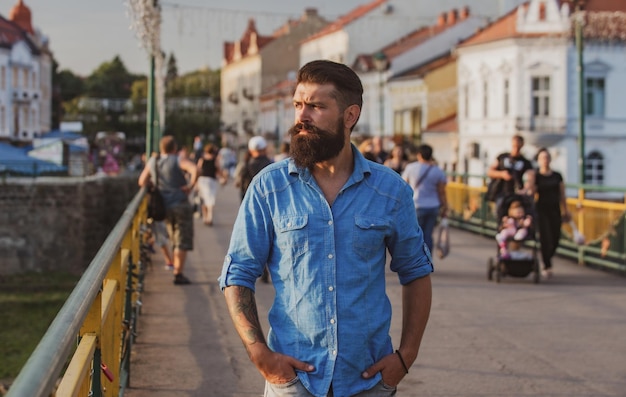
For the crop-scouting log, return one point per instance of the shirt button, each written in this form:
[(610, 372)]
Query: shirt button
[(330, 256), (334, 352), (331, 288), (332, 320), (330, 223)]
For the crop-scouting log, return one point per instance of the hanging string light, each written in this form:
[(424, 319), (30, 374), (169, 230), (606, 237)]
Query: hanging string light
[(602, 25), (145, 17)]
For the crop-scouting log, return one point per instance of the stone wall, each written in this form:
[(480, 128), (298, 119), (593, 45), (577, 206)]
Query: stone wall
[(58, 223)]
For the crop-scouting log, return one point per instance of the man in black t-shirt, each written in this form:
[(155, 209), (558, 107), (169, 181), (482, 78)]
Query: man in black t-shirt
[(512, 168)]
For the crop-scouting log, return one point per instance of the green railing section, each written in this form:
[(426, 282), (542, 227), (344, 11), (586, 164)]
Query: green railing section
[(88, 344), (603, 223)]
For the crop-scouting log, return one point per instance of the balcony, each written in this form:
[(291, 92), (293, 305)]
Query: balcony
[(541, 131)]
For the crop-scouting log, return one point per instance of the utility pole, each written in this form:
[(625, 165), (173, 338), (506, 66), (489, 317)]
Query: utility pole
[(581, 96), (150, 111), (151, 119), (381, 64)]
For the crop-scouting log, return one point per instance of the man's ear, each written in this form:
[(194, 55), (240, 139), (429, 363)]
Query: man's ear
[(351, 116)]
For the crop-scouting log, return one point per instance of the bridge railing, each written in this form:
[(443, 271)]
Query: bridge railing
[(602, 222), (86, 349)]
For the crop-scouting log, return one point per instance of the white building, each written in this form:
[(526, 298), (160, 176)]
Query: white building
[(25, 78), (519, 75)]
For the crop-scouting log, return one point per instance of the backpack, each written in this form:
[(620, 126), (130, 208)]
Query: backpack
[(156, 204)]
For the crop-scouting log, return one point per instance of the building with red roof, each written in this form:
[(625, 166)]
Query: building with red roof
[(25, 78)]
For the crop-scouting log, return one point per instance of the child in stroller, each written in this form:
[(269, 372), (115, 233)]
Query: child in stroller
[(516, 213), (515, 226)]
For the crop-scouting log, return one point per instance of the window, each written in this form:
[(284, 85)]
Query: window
[(15, 76), (594, 168), (506, 97), (485, 99), (541, 96), (25, 119), (594, 97), (416, 123), (466, 100), (397, 123)]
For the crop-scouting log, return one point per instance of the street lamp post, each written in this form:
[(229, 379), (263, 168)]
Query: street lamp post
[(581, 97), (381, 64), (278, 103), (146, 21)]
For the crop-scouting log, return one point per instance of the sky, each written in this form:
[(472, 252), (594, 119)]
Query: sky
[(85, 33)]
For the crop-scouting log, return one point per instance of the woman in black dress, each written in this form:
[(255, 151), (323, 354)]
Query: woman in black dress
[(551, 208)]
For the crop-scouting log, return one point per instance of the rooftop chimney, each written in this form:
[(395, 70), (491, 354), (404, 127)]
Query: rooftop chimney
[(452, 15), (442, 19), (310, 12), (464, 13)]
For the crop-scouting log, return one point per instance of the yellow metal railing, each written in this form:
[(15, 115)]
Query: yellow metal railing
[(94, 329), (603, 223)]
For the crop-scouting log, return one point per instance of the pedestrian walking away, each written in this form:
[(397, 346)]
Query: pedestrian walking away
[(323, 222), (175, 190), (397, 160), (208, 185), (162, 240), (551, 208), (429, 191), (255, 160)]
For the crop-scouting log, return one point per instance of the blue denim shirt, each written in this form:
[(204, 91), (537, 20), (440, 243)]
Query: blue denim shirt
[(327, 265)]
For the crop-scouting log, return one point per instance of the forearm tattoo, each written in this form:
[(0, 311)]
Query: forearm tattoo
[(244, 313)]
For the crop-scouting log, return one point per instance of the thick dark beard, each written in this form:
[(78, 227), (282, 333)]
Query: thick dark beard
[(317, 145)]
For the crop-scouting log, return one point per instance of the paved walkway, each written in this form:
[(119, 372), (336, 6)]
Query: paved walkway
[(562, 337)]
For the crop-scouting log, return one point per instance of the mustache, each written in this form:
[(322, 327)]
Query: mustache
[(304, 126)]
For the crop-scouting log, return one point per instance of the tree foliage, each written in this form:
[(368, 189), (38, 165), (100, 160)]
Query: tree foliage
[(200, 83), (110, 80), (69, 85), (172, 68)]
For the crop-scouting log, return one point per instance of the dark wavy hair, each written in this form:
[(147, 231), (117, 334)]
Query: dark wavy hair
[(426, 151), (542, 149), (348, 87)]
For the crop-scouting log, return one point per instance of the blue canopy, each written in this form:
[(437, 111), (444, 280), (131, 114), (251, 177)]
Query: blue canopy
[(14, 160)]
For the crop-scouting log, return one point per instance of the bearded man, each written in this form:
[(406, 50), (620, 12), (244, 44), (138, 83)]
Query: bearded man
[(323, 223)]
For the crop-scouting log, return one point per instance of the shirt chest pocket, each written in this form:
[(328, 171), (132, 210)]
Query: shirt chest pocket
[(292, 235), (369, 235)]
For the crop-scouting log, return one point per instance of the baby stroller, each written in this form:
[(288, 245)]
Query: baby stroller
[(518, 262)]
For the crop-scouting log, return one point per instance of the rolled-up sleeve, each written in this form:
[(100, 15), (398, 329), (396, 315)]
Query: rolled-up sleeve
[(249, 245)]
